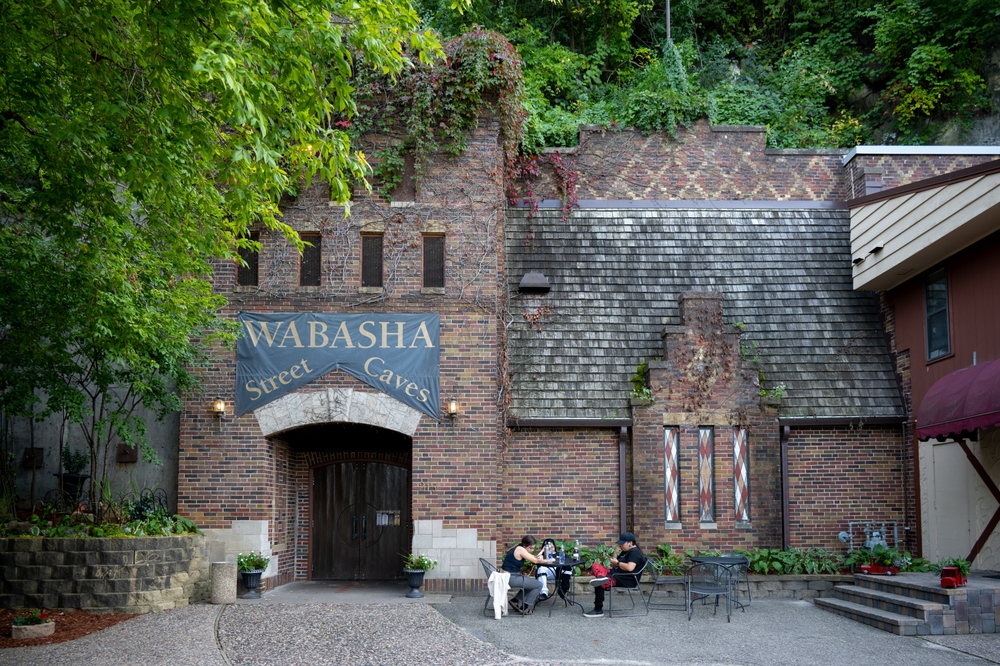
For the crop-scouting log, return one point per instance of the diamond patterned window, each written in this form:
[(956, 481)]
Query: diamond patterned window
[(671, 482), (706, 486), (741, 473)]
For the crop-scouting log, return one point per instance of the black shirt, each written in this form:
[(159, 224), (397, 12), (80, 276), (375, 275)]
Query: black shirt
[(633, 555)]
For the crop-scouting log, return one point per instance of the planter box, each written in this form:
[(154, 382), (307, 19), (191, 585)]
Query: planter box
[(880, 569), (32, 630)]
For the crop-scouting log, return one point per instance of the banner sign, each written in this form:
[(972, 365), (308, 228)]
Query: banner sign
[(396, 354)]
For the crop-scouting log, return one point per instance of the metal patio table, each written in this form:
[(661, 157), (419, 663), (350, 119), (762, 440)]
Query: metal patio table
[(559, 567), (731, 564)]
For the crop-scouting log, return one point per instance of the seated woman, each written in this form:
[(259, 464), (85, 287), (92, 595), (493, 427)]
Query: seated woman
[(512, 563)]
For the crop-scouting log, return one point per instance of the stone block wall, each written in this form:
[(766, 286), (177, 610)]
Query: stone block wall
[(115, 575)]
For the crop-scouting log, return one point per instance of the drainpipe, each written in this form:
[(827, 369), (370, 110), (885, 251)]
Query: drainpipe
[(918, 526), (785, 532), (622, 441)]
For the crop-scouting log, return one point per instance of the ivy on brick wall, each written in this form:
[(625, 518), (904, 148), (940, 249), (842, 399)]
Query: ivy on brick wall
[(433, 106)]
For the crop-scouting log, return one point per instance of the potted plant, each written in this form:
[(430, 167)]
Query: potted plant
[(415, 566), (251, 567), (73, 461), (954, 571), (33, 625)]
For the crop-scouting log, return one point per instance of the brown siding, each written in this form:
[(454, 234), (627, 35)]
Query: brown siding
[(974, 313)]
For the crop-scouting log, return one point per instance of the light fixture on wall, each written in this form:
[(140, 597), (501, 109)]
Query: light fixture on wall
[(452, 409), (220, 408)]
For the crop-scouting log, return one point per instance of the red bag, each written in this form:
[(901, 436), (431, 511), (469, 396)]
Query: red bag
[(599, 570)]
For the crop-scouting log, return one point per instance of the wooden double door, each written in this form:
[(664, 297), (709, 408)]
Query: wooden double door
[(360, 521)]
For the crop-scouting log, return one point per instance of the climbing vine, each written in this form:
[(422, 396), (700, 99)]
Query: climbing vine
[(432, 107)]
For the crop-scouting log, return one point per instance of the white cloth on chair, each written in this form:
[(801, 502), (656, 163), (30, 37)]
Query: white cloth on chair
[(499, 584)]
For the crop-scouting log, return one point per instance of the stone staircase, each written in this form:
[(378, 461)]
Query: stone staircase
[(915, 604)]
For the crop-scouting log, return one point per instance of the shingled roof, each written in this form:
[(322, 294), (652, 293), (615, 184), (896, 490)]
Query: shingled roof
[(616, 276)]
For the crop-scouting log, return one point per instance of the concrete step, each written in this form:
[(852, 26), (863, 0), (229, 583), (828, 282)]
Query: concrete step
[(903, 586), (894, 603), (880, 619)]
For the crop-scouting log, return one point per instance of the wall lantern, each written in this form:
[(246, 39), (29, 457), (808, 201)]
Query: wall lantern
[(220, 408), (452, 408)]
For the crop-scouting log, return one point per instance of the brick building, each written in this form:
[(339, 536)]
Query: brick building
[(723, 264)]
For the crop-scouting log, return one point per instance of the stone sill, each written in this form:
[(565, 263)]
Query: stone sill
[(402, 204), (433, 290), (370, 290)]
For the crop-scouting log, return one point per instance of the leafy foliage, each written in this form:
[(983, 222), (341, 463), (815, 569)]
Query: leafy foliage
[(38, 616), (48, 524), (814, 72), (74, 461), (434, 105), (252, 562), (413, 561), (601, 553), (138, 144), (667, 561), (813, 561), (963, 566)]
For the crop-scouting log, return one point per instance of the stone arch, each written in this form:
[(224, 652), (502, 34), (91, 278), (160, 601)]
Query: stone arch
[(337, 404)]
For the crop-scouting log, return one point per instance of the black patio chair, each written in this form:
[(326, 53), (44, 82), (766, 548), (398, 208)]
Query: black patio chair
[(707, 580), (661, 579), (488, 569), (741, 581), (620, 588)]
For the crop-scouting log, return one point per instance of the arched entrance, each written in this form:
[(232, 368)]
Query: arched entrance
[(359, 499), (357, 448)]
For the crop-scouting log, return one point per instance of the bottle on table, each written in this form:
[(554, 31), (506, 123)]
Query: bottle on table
[(576, 551), (562, 555)]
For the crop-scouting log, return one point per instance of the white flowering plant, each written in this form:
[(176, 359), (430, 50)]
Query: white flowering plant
[(252, 562), (418, 562)]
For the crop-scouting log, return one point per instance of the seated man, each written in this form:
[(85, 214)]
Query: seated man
[(629, 560)]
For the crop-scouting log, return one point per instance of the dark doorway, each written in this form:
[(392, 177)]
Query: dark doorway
[(361, 521)]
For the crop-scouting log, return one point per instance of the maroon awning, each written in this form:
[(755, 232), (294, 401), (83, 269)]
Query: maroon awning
[(961, 402)]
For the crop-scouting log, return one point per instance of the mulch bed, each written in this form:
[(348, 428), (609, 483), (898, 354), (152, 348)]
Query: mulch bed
[(69, 625)]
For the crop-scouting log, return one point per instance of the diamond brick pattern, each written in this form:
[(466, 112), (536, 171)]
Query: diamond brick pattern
[(706, 466), (741, 473), (671, 479)]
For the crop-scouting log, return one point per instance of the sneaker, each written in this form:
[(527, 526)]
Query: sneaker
[(597, 582), (594, 613)]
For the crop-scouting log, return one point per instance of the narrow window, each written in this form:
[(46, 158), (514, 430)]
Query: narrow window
[(371, 261), (246, 271), (406, 190), (433, 261), (671, 481), (741, 473), (936, 299), (706, 484), (309, 264)]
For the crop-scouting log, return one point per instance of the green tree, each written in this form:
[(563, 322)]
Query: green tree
[(139, 141)]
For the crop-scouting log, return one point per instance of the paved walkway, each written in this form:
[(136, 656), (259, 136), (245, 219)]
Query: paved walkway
[(316, 623)]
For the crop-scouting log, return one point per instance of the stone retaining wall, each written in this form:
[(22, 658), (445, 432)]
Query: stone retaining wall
[(113, 575)]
